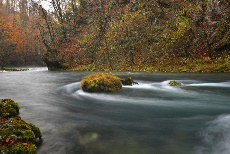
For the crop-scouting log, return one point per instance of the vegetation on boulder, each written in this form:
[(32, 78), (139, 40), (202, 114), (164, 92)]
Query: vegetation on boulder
[(128, 82), (16, 136), (174, 83), (8, 108), (101, 82)]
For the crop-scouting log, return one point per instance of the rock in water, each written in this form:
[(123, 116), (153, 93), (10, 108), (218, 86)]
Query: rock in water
[(101, 82), (175, 83), (128, 82)]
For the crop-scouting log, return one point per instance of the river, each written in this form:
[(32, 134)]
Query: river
[(148, 118)]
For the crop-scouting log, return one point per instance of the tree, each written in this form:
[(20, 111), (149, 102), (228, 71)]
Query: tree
[(6, 45), (18, 39)]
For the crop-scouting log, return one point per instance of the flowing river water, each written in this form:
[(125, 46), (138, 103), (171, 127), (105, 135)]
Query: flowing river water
[(148, 118)]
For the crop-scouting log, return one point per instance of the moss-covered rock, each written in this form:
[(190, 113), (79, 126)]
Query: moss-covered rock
[(8, 108), (19, 148), (101, 82), (16, 135), (175, 83), (128, 82)]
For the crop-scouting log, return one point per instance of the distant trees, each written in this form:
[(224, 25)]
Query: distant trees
[(20, 39), (144, 33), (130, 34), (7, 47)]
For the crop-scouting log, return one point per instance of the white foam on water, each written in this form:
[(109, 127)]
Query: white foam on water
[(70, 89), (3, 71), (221, 84), (216, 137), (143, 85), (124, 99), (160, 86), (38, 69), (74, 90), (162, 94), (112, 98)]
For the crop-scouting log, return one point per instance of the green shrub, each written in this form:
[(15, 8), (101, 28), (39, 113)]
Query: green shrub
[(101, 83)]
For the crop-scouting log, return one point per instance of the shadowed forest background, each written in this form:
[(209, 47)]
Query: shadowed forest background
[(122, 35)]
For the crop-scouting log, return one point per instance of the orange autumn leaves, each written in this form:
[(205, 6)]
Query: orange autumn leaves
[(10, 33), (20, 41)]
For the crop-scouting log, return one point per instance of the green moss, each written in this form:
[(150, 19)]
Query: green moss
[(128, 82), (36, 131), (28, 135), (16, 136), (8, 108), (22, 149), (174, 83), (101, 83)]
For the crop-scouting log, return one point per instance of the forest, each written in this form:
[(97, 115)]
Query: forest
[(116, 35)]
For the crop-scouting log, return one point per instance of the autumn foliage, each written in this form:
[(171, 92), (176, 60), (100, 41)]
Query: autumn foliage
[(137, 35), (19, 39)]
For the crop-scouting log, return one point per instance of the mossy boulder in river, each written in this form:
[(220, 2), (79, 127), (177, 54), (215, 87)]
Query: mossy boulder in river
[(174, 83), (101, 82), (16, 136), (128, 82)]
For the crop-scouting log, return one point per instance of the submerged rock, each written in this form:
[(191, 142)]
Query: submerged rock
[(16, 136), (101, 82)]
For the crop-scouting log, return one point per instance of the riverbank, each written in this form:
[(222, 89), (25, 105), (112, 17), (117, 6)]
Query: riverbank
[(168, 65), (13, 69)]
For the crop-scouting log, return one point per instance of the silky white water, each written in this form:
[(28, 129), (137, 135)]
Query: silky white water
[(147, 118)]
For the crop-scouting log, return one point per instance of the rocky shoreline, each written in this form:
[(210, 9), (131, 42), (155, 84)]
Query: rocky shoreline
[(16, 135)]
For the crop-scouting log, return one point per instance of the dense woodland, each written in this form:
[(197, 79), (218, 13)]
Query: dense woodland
[(134, 35)]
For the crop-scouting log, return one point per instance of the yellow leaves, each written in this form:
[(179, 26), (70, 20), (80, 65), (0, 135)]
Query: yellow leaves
[(182, 25), (15, 36)]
